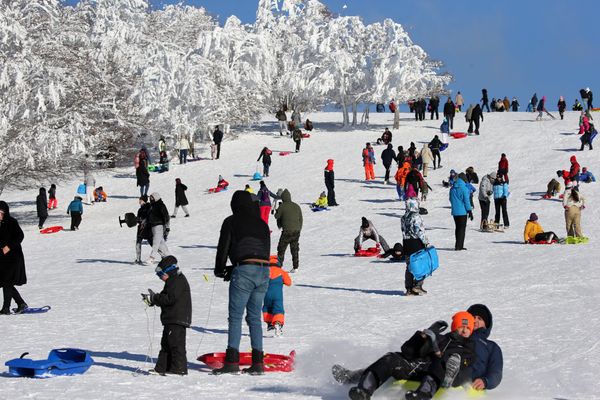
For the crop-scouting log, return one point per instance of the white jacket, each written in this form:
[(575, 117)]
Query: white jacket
[(426, 155), (184, 144), (569, 202)]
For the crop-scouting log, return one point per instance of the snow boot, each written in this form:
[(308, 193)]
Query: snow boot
[(452, 369), (419, 288), (367, 385), (232, 363), (21, 308), (346, 376), (357, 393), (258, 366), (426, 390), (278, 329), (5, 311)]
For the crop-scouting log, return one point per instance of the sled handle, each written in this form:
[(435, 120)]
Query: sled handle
[(24, 354)]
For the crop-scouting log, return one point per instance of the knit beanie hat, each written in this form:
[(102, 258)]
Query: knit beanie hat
[(533, 217), (462, 318), (482, 312), (365, 223)]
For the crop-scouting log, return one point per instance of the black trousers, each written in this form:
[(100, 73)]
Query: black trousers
[(436, 155), (42, 220), (218, 150), (75, 219), (437, 370), (387, 172), (331, 196), (298, 145), (437, 115), (292, 239), (500, 205), (460, 227), (397, 366), (11, 293), (411, 246), (172, 356), (545, 236), (476, 126), (485, 210)]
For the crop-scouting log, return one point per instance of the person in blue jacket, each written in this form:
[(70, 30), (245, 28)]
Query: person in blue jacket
[(76, 210), (460, 204), (501, 193), (487, 369), (586, 176)]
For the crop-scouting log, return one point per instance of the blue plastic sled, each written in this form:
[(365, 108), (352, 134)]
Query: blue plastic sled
[(59, 362), (81, 189), (423, 263), (444, 146), (35, 310), (257, 176), (317, 209)]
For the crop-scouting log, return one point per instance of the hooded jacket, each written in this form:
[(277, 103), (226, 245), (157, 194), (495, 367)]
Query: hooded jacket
[(159, 215), (532, 228), (180, 197), (289, 214), (486, 189), (175, 301), (388, 155), (41, 204), (426, 154), (412, 223), (12, 264), (476, 113), (244, 235), (460, 202), (488, 361), (574, 171)]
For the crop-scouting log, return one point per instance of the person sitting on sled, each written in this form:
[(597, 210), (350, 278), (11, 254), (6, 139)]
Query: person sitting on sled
[(321, 201), (100, 195), (368, 231), (222, 184), (273, 311), (534, 233), (586, 176), (396, 252), (451, 179), (440, 360)]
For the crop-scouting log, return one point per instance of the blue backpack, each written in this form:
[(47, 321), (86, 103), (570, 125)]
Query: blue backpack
[(423, 263), (81, 189)]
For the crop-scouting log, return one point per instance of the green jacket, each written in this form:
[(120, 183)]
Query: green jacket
[(289, 215)]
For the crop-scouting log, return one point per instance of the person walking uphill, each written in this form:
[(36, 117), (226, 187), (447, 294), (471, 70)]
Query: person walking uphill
[(387, 156), (282, 119), (159, 224), (217, 139), (368, 156), (486, 190), (460, 204), (142, 175), (12, 260), (449, 112), (265, 154), (245, 240), (573, 203), (426, 158), (175, 302), (330, 183), (180, 198), (289, 219), (41, 204)]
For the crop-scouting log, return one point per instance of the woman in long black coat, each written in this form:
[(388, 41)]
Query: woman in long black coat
[(41, 203), (12, 262)]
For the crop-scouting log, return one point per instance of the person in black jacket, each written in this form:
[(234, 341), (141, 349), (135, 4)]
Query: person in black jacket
[(476, 114), (562, 106), (144, 231), (422, 109), (265, 154), (449, 112), (175, 302), (217, 139), (159, 224), (330, 184), (180, 198), (484, 100), (435, 146), (387, 156), (12, 261), (142, 175), (41, 204), (590, 99), (245, 239), (434, 105)]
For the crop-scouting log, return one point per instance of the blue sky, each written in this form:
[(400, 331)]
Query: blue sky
[(510, 47)]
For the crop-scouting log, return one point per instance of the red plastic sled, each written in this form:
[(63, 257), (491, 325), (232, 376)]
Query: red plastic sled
[(370, 252), (273, 362), (458, 135), (305, 135), (52, 229), (284, 153), (542, 242), (216, 189)]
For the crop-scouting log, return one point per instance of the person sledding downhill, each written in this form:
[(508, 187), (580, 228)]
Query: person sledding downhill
[(368, 231), (321, 202), (368, 156), (273, 311), (222, 184), (438, 360), (413, 232)]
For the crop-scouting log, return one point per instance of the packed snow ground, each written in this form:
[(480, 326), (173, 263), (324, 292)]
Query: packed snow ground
[(340, 309)]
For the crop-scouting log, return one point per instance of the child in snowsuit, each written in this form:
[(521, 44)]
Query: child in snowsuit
[(368, 231), (175, 302), (426, 354), (265, 154), (52, 202), (144, 231), (100, 195), (76, 210), (321, 201), (368, 156), (273, 312), (535, 233), (42, 207), (180, 198)]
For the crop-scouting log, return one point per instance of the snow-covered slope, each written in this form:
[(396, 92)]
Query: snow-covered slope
[(341, 309)]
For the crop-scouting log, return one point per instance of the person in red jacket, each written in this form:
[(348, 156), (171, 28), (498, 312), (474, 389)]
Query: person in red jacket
[(503, 167), (574, 171)]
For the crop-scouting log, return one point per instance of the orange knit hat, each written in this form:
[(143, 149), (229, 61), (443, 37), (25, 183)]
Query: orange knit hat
[(462, 318)]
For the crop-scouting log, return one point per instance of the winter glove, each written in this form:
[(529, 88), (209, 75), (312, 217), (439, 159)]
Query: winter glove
[(471, 215), (430, 335), (146, 299), (438, 326)]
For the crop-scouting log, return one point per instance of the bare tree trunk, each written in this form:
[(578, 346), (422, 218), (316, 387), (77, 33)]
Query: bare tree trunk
[(397, 118), (365, 117), (354, 113), (345, 115)]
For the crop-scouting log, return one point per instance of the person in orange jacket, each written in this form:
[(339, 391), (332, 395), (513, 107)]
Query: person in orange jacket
[(273, 312), (401, 178), (368, 155), (100, 195)]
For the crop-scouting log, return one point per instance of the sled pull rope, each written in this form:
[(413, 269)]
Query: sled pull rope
[(150, 339), (210, 303)]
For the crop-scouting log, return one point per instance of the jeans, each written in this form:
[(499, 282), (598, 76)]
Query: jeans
[(247, 289), (266, 169), (486, 106), (144, 190), (183, 156), (400, 191)]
